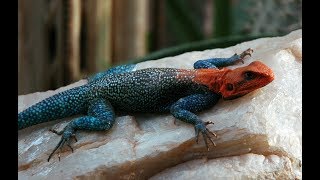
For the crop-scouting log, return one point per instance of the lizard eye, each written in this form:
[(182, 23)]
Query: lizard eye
[(248, 75), (229, 87)]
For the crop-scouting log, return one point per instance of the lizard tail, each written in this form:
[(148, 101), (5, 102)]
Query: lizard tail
[(63, 104)]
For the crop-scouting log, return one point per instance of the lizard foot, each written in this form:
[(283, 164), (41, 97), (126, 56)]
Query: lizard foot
[(67, 133), (201, 127), (245, 53)]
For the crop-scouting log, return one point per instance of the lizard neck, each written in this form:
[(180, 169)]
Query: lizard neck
[(212, 78)]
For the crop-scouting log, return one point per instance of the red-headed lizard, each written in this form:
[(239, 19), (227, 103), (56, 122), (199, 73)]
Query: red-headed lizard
[(182, 92)]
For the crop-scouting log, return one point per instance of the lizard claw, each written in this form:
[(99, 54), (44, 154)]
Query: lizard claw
[(245, 53), (201, 127), (59, 145), (209, 122), (74, 137)]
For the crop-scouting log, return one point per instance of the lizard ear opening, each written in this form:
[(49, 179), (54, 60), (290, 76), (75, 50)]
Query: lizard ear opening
[(229, 87)]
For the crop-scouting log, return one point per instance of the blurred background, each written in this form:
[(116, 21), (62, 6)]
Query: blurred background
[(62, 41)]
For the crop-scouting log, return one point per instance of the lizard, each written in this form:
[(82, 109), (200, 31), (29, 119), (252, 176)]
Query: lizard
[(181, 92)]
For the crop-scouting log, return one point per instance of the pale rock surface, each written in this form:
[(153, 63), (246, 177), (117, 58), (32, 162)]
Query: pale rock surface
[(259, 134), (247, 166)]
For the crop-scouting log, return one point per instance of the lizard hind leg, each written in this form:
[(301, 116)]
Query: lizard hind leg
[(100, 117)]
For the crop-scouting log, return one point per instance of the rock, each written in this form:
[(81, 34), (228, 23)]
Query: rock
[(247, 166), (259, 134)]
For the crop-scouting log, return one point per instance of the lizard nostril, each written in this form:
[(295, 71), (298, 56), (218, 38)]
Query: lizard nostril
[(229, 87)]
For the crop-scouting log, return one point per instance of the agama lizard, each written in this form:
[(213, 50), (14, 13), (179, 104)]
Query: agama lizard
[(182, 92)]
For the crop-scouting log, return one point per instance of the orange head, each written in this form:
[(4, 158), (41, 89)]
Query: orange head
[(244, 80)]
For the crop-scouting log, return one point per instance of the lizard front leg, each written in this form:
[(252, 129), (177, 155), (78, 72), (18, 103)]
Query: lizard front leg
[(221, 62), (185, 108), (100, 117)]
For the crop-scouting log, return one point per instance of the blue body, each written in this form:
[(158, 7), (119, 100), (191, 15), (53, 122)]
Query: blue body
[(123, 89)]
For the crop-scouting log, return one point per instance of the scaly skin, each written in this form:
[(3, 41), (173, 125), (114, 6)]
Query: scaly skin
[(181, 92)]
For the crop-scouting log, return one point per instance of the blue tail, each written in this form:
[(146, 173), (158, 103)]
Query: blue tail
[(64, 104)]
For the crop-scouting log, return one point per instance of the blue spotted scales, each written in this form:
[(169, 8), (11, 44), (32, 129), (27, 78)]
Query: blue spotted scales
[(181, 92)]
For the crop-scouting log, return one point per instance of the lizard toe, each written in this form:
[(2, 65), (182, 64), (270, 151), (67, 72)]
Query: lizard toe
[(67, 133), (206, 133), (245, 53)]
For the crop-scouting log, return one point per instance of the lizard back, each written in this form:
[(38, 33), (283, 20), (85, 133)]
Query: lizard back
[(147, 90)]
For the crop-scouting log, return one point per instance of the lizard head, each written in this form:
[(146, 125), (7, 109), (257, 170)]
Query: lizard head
[(244, 80)]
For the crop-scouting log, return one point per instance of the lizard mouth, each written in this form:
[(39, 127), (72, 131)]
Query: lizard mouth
[(233, 97), (243, 92)]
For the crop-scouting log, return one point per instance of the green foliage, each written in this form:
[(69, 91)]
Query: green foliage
[(198, 46), (222, 19), (182, 21), (266, 16), (233, 21), (185, 18)]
